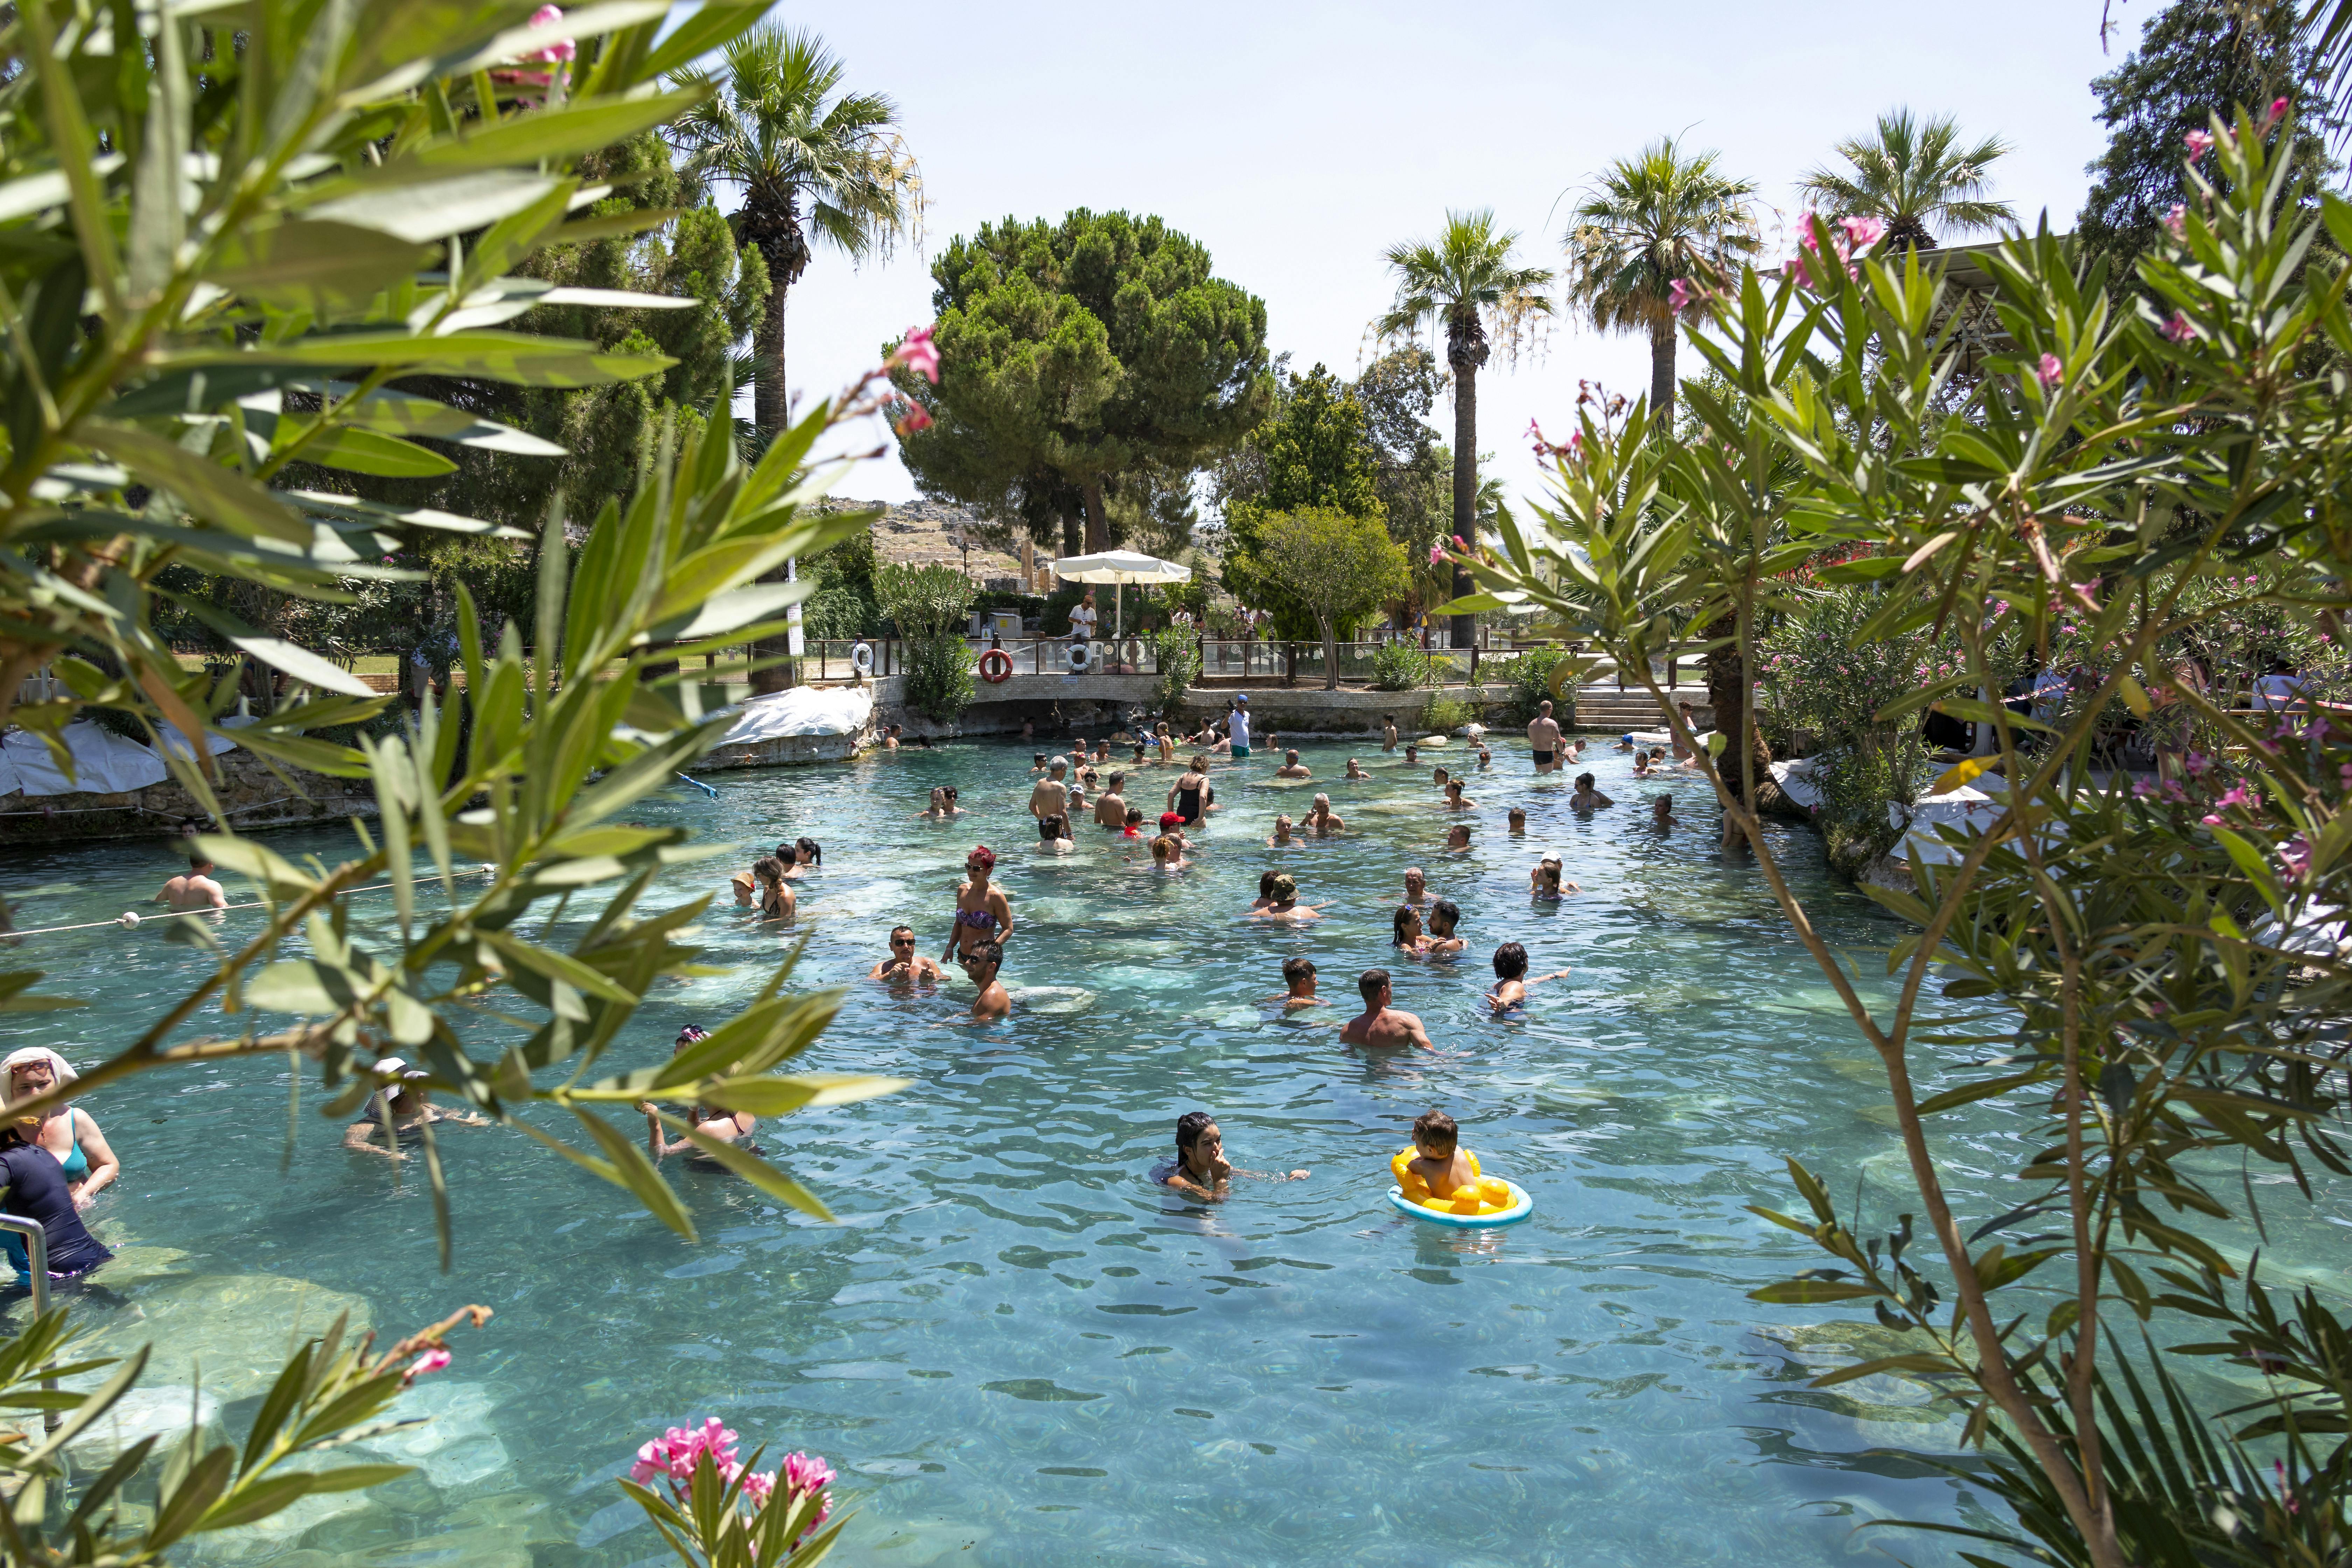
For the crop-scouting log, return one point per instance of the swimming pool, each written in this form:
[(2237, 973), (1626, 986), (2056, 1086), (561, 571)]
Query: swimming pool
[(1013, 1344)]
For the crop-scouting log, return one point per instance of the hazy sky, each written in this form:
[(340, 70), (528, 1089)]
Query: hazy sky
[(1298, 140)]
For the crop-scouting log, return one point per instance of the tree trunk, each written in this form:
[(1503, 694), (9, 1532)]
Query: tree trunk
[(1731, 694), (1662, 374), (1465, 350), (770, 404), (1330, 656), (1097, 520), (1073, 533)]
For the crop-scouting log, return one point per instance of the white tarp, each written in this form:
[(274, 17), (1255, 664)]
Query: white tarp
[(803, 710), (1796, 781), (1970, 810), (104, 761)]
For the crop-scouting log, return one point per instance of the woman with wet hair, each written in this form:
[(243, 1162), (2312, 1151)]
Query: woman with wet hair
[(732, 1128), (777, 902), (1201, 1167)]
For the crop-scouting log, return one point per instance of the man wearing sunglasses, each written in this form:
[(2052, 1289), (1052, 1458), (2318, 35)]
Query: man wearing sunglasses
[(905, 966)]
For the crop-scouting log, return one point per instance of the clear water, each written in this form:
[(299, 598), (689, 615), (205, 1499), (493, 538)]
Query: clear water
[(1013, 1344)]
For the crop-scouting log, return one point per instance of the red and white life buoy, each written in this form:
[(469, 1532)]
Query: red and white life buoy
[(996, 667)]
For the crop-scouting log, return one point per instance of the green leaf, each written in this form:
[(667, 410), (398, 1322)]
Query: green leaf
[(559, 966), (637, 1174), (264, 866), (271, 1494), (423, 210), (1969, 1093), (552, 133), (304, 666), (771, 1095), (374, 453), (215, 494), (1811, 1292), (1916, 1361), (1963, 772), (518, 359), (755, 1170), (314, 266), (357, 1478), (302, 986)]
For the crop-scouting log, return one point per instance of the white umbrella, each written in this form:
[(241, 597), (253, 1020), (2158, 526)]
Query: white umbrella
[(1119, 567)]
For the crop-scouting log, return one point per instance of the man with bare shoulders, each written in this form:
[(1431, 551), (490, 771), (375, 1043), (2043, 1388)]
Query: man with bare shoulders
[(905, 966), (1110, 806), (1543, 738), (195, 889), (1291, 767), (1380, 1025), (1321, 821), (1052, 796)]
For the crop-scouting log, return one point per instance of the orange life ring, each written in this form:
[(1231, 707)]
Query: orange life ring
[(996, 667)]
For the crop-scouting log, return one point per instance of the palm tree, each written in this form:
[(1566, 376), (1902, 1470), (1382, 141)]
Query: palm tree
[(1913, 175), (811, 166), (1467, 279), (1654, 220)]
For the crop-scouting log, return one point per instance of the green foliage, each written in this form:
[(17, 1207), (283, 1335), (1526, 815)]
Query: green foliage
[(1339, 568), (1177, 654), (1916, 176), (1410, 465), (1314, 450), (1399, 666), (2145, 977), (1075, 353), (1446, 714), (2194, 61), (929, 604), (1531, 672), (844, 603)]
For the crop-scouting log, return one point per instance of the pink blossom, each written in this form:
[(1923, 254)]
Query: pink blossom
[(2271, 116), (2344, 774), (431, 1361), (2199, 143), (1863, 233), (2178, 328), (1437, 555), (2174, 792), (562, 51), (918, 353), (1459, 546), (2142, 789), (1576, 443), (2295, 855), (2176, 220), (2210, 820), (917, 418), (2049, 372), (2238, 795), (759, 1486), (1795, 270), (675, 1452), (807, 1472), (1678, 295), (2197, 762)]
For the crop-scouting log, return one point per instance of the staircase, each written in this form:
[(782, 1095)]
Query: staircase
[(1606, 708)]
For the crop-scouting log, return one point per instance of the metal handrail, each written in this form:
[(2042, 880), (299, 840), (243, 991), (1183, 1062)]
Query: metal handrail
[(36, 1253)]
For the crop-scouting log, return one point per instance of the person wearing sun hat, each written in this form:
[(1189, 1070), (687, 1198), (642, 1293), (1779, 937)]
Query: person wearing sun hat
[(67, 1131), (400, 1108), (1283, 903)]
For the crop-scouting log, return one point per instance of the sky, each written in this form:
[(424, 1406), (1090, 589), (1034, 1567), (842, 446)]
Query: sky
[(1297, 142)]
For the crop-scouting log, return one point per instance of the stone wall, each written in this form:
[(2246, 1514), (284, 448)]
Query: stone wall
[(251, 794)]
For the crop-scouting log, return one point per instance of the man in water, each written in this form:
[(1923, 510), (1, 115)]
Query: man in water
[(1238, 726), (1320, 821), (1110, 806), (1356, 770), (1381, 1026), (1512, 979), (1457, 840), (981, 961), (1388, 732), (1413, 754), (1284, 905), (1052, 796), (193, 889), (1416, 886), (1291, 767), (905, 966), (1543, 737), (1298, 976), (1519, 820)]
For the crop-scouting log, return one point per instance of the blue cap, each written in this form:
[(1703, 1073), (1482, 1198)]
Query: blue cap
[(1242, 700)]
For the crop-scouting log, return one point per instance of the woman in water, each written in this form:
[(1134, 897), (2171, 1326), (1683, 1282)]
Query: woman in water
[(806, 856), (1200, 1166), (777, 902), (67, 1131), (983, 913), (1455, 799), (1184, 795), (1404, 931), (36, 1191), (942, 808), (1053, 836), (407, 1111), (1168, 854), (733, 1128)]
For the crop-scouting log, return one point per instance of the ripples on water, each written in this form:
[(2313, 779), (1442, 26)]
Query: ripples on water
[(1013, 1343)]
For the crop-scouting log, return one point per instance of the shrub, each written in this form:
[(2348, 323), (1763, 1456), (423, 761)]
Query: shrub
[(1398, 667), (1446, 714), (1530, 684), (929, 604), (1179, 657)]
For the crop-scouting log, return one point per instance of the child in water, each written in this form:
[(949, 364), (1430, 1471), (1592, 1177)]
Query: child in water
[(1440, 1160), (1512, 979)]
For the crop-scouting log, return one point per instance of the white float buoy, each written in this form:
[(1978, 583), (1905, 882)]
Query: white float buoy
[(129, 917)]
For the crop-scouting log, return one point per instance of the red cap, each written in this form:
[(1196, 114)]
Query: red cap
[(1169, 819)]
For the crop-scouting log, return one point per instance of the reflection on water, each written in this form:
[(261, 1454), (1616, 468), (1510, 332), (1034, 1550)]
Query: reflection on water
[(1014, 1344)]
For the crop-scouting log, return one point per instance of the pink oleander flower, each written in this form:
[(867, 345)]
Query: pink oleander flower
[(674, 1453), (2199, 143), (432, 1361), (1679, 295), (1576, 443), (917, 418), (759, 1486), (2210, 820), (2176, 220), (2272, 115), (918, 353), (2178, 328), (2049, 372), (2240, 795), (2344, 774), (1465, 549), (1862, 233), (2295, 855), (2143, 790), (1795, 268), (2197, 763), (807, 1472), (1437, 555), (2174, 792), (555, 55)]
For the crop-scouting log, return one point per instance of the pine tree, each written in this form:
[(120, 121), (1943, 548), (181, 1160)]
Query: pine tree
[(2195, 59)]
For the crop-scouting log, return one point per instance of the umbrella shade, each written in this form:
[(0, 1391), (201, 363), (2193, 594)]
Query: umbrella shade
[(1120, 566)]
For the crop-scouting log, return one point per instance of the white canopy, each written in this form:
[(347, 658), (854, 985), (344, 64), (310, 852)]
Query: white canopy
[(1120, 566)]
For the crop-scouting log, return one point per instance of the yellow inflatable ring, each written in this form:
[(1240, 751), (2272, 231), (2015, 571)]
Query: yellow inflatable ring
[(1495, 1202)]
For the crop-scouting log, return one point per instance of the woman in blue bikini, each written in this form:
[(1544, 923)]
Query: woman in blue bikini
[(983, 914), (66, 1131)]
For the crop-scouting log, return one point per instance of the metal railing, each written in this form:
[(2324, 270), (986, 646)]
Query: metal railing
[(36, 1253)]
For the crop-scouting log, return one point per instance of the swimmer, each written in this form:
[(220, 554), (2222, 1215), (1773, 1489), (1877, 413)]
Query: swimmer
[(1053, 836), (85, 1159), (890, 738), (732, 1128), (1641, 764), (746, 887), (1690, 724), (1486, 757), (1388, 732), (1133, 826), (1661, 813), (1543, 738), (943, 807), (1168, 854), (1438, 1158), (1404, 930), (1028, 728), (1298, 976), (1624, 742), (905, 965), (1416, 886), (1284, 905), (1281, 839), (1139, 759), (1051, 797), (1173, 827), (193, 889), (980, 962), (1438, 776), (1291, 768), (1037, 763), (1545, 882), (806, 857), (1519, 820), (777, 902), (1321, 821), (983, 912), (1512, 979), (1571, 751), (1443, 918), (1166, 742), (37, 1190), (1184, 796), (1457, 840), (1102, 752), (1356, 770), (404, 1104), (1380, 1025), (1201, 1168), (1586, 797), (1110, 806), (1456, 800), (1412, 755), (1264, 892), (1078, 800)]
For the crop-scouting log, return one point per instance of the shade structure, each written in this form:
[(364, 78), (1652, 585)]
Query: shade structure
[(1119, 567)]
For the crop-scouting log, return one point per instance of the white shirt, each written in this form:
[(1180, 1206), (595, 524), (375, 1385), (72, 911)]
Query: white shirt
[(1082, 620), (1237, 727)]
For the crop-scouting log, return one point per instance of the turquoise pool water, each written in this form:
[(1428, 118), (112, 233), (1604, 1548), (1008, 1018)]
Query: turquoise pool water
[(1017, 1350)]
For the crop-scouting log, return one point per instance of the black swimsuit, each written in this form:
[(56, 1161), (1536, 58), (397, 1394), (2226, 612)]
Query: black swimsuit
[(37, 1190), (1188, 805)]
